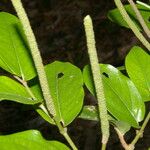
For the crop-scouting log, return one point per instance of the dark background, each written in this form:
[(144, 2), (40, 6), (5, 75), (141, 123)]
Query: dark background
[(58, 26)]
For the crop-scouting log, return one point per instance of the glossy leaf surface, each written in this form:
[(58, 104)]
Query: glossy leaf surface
[(14, 53), (123, 99), (137, 65), (66, 87), (29, 140), (115, 16), (14, 91)]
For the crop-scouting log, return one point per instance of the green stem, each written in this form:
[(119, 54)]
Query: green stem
[(24, 83), (121, 68), (97, 78), (122, 140), (67, 137), (131, 24), (141, 130), (36, 55), (140, 18), (103, 147), (63, 131), (137, 137)]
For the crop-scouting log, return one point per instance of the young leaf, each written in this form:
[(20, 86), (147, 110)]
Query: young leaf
[(29, 140), (123, 99), (14, 53), (12, 90), (115, 16), (137, 65)]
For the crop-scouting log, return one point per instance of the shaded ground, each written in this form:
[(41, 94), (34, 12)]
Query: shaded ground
[(58, 26)]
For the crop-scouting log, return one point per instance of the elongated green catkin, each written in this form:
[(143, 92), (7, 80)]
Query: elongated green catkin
[(97, 78), (131, 24), (35, 54), (140, 18)]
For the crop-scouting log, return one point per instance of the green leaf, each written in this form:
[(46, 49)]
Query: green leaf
[(13, 91), (115, 16), (123, 127), (66, 87), (14, 53), (137, 65), (90, 113), (123, 99), (29, 140)]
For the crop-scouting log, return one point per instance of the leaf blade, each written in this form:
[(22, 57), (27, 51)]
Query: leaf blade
[(114, 84), (65, 82), (30, 140), (14, 53), (115, 16), (137, 65), (13, 91)]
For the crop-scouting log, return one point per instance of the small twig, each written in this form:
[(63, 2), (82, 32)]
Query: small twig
[(132, 24), (103, 147), (140, 18), (138, 136), (63, 131), (97, 80), (24, 83), (122, 140)]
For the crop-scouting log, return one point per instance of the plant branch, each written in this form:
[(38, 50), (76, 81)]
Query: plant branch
[(63, 131), (35, 55), (24, 83), (67, 137), (103, 147), (140, 18), (97, 79), (137, 137), (40, 69), (131, 24), (141, 130), (122, 140)]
